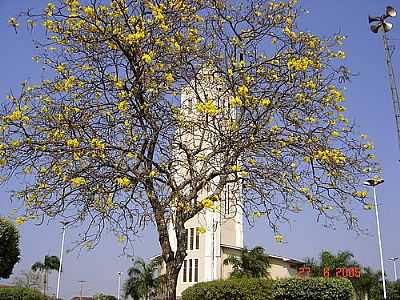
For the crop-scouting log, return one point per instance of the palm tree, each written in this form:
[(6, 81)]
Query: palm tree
[(143, 281), (365, 284), (343, 259), (250, 263), (50, 263)]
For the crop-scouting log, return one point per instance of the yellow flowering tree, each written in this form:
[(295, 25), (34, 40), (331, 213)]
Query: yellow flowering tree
[(100, 138)]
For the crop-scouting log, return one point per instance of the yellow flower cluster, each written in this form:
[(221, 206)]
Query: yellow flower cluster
[(334, 156), (368, 146), (252, 161), (265, 102), (15, 115), (299, 64), (78, 181), (360, 194), (147, 58), (236, 101), (337, 95), (13, 22), (279, 238), (311, 85), (208, 108), (341, 55), (235, 168), (97, 144), (201, 230), (123, 105), (368, 206), (74, 143), (69, 83), (243, 90), (275, 129), (311, 120), (291, 34), (123, 181), (153, 174), (169, 77), (209, 201), (136, 37), (20, 220)]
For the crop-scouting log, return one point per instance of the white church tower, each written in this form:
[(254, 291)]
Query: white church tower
[(224, 226)]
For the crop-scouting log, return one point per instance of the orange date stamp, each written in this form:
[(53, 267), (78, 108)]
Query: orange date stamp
[(352, 272)]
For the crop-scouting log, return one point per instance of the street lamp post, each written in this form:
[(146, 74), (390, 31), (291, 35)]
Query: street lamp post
[(373, 183), (61, 258), (119, 284), (394, 266)]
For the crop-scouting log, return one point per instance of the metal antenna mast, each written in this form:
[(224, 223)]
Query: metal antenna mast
[(392, 81), (376, 24)]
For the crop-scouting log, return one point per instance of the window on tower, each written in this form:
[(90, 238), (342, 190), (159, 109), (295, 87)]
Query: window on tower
[(196, 270), (190, 270), (185, 270), (226, 200), (191, 238), (187, 239), (197, 239)]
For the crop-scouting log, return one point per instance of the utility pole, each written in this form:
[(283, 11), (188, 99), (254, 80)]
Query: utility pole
[(81, 282)]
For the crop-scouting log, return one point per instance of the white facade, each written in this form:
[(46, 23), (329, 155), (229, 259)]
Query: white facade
[(223, 226)]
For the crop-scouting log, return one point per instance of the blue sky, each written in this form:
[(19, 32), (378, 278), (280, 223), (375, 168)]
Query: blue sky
[(369, 104)]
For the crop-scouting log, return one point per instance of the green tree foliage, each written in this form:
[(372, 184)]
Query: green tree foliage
[(250, 263), (368, 281), (392, 290), (232, 289), (104, 135), (143, 280), (51, 263), (9, 247), (343, 259), (104, 297), (28, 279), (17, 293)]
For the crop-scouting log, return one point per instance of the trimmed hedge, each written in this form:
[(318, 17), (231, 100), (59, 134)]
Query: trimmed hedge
[(232, 289), (313, 289), (266, 289), (16, 293)]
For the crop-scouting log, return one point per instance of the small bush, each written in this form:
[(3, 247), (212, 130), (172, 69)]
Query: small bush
[(313, 289), (231, 289), (265, 289), (16, 293)]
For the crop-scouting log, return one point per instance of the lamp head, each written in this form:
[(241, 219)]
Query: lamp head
[(387, 26), (373, 182), (373, 19), (375, 27), (390, 11)]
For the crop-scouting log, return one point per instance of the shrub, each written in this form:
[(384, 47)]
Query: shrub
[(16, 293), (265, 289), (231, 289), (313, 289)]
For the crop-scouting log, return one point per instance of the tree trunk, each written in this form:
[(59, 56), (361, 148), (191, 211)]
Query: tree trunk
[(172, 280)]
